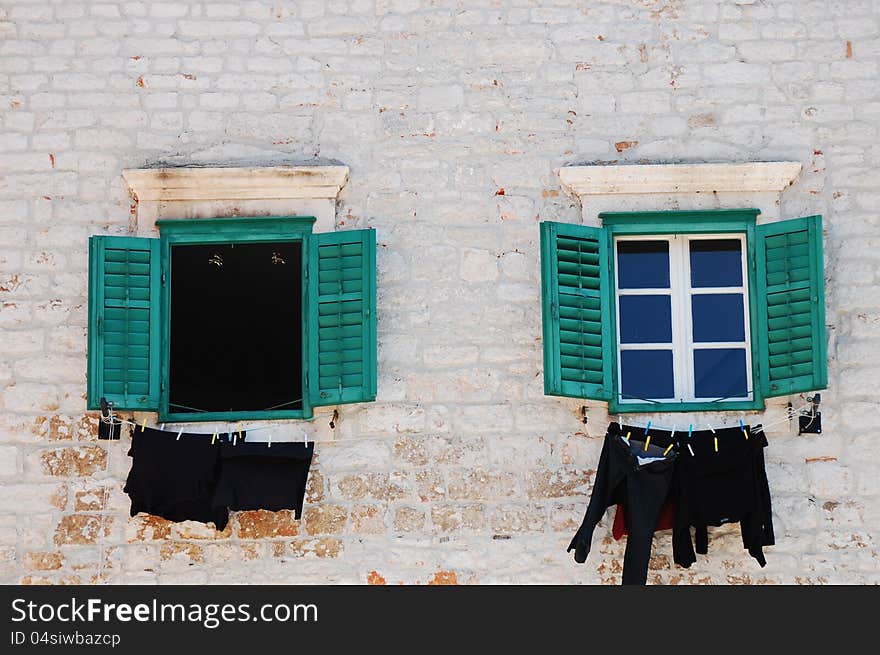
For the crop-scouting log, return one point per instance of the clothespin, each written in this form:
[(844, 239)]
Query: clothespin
[(743, 428), (214, 438), (269, 444), (716, 443), (180, 432), (626, 438), (668, 448), (234, 438), (162, 427), (239, 430), (647, 428), (647, 442), (143, 425), (690, 430), (691, 449), (672, 436), (306, 438)]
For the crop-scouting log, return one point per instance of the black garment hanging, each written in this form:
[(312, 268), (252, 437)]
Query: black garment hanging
[(259, 476), (637, 477), (175, 478), (724, 485)]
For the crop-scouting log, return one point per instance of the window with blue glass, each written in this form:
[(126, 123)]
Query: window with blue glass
[(682, 318), (683, 310)]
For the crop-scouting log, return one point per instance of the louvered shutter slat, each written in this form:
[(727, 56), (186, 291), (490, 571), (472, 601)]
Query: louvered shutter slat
[(123, 355), (574, 285), (791, 303), (342, 339)]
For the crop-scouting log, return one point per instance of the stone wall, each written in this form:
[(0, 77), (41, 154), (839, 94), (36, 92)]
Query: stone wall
[(454, 117)]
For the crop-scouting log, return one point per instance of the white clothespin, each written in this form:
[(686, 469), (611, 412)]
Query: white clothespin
[(269, 444), (162, 427), (306, 438), (180, 432), (234, 439)]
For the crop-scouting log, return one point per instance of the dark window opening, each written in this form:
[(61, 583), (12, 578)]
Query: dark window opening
[(236, 327)]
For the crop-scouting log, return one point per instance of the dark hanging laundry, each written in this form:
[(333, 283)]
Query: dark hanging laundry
[(702, 486), (724, 486), (666, 520), (637, 478), (173, 478), (259, 476)]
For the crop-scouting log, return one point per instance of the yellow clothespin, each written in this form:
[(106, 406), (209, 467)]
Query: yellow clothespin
[(626, 438), (716, 444), (239, 430), (214, 439), (143, 425), (647, 441), (668, 448)]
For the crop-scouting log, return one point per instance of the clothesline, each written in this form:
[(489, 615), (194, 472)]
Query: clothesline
[(790, 414), (304, 439)]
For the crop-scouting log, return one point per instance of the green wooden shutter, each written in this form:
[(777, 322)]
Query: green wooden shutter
[(342, 317), (791, 306), (123, 357), (574, 283)]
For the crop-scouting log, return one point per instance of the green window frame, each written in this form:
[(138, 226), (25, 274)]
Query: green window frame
[(785, 304), (129, 306)]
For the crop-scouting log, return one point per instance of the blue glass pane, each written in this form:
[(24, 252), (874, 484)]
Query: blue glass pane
[(716, 263), (718, 317), (646, 374), (720, 373), (643, 264), (645, 319)]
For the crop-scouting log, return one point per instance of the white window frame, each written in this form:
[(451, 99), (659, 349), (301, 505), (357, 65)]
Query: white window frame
[(680, 292)]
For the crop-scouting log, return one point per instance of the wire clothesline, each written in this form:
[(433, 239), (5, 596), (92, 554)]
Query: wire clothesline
[(790, 414)]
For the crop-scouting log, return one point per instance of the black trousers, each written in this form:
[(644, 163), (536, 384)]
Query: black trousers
[(255, 475), (640, 486), (714, 487), (175, 478)]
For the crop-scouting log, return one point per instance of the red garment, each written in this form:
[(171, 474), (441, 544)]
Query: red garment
[(665, 521)]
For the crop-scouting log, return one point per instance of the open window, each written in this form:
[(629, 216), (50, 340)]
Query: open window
[(232, 319)]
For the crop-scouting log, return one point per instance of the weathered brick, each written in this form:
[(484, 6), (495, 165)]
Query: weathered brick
[(409, 519), (325, 519), (259, 524), (82, 529), (458, 518), (368, 519), (323, 547), (73, 462)]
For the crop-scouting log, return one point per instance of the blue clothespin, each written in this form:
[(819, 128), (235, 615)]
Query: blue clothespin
[(742, 427), (690, 430)]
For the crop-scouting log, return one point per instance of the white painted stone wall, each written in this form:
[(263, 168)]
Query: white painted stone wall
[(454, 117)]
